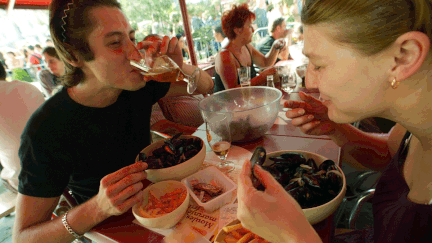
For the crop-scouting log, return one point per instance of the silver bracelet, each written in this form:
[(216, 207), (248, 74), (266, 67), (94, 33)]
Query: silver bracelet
[(68, 228), (199, 72)]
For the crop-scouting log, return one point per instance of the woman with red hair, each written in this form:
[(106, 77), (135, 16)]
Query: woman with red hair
[(237, 26)]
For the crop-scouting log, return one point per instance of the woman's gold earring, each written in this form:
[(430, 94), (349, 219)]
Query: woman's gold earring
[(394, 84)]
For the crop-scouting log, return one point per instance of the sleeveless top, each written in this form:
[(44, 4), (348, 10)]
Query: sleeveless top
[(218, 84), (396, 218)]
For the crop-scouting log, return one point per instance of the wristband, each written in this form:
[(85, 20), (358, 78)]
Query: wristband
[(68, 228)]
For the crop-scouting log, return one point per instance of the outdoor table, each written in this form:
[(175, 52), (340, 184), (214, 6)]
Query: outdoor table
[(281, 136), (122, 229)]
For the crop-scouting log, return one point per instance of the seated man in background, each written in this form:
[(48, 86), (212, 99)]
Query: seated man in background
[(49, 78), (18, 100), (278, 30)]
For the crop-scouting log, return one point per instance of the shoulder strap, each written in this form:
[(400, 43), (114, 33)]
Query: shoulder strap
[(250, 56), (235, 58)]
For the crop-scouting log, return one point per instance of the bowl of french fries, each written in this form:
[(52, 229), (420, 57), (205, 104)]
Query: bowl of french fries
[(234, 233), (164, 205)]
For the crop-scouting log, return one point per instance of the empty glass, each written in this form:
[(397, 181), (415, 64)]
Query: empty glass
[(287, 78), (244, 76)]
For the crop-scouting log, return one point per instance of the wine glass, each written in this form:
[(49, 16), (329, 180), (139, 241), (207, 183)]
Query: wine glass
[(164, 69), (219, 139)]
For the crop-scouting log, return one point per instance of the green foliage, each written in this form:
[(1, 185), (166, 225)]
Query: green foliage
[(143, 13), (154, 11), (288, 2)]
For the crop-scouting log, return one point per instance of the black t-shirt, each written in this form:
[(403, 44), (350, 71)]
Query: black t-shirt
[(67, 144)]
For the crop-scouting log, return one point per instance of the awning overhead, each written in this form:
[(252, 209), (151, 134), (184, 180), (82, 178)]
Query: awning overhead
[(41, 4)]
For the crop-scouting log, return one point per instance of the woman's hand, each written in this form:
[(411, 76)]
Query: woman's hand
[(310, 115), (262, 78), (272, 214), (268, 71), (119, 191)]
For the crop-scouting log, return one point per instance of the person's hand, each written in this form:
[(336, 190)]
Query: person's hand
[(310, 115), (284, 53), (154, 46), (279, 44), (268, 71), (272, 214), (119, 191), (171, 48)]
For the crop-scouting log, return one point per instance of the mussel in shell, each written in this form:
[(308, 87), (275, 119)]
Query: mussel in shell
[(174, 151)]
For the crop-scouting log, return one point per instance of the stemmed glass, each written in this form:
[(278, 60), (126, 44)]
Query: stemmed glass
[(164, 69), (219, 139)]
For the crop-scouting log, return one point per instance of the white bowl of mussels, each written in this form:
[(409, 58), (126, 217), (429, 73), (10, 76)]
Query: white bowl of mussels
[(317, 183), (174, 158)]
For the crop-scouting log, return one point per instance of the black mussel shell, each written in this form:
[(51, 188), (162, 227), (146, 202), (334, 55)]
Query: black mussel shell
[(324, 165), (311, 163), (291, 185), (310, 180), (154, 163), (258, 158), (176, 136), (290, 159), (142, 156)]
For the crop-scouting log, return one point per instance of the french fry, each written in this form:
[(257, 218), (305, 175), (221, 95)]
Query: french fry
[(152, 197), (230, 228), (256, 240), (243, 231), (167, 203), (246, 238), (230, 239), (236, 234)]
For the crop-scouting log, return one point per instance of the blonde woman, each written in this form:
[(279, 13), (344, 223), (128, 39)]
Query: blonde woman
[(368, 58)]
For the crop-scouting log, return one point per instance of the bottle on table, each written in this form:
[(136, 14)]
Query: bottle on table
[(270, 82)]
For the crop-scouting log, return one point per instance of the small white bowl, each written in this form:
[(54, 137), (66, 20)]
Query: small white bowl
[(170, 219), (319, 213), (207, 175), (176, 172)]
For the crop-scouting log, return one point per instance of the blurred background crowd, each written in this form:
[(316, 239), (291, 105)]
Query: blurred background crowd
[(24, 33)]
